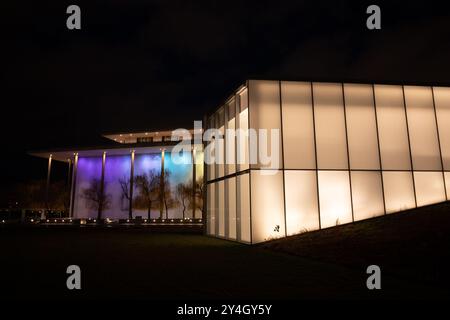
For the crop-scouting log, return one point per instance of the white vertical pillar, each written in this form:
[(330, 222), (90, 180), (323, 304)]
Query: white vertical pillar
[(73, 185), (162, 186), (102, 188), (49, 169), (130, 205), (194, 181)]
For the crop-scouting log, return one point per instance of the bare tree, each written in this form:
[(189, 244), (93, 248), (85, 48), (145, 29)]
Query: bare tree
[(165, 194), (97, 197), (125, 187), (148, 186), (199, 196), (184, 195)]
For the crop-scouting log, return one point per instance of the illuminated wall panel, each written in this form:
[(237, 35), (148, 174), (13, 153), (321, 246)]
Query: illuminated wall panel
[(442, 103), (429, 187), (231, 206), (211, 174), (330, 126), (144, 164), (268, 220), (199, 158), (367, 194), (346, 129), (361, 127), (242, 155), (221, 153), (422, 128), (220, 143), (243, 198), (117, 173), (199, 168), (392, 128), (334, 197), (398, 191), (230, 148), (221, 208), (447, 184), (179, 173), (298, 125), (302, 212), (211, 212), (265, 113), (89, 171)]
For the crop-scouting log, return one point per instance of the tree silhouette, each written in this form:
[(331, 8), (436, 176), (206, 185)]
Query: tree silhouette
[(199, 195), (184, 195), (165, 194), (148, 186), (125, 187), (97, 197)]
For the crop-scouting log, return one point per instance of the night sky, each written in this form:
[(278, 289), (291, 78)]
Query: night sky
[(162, 64)]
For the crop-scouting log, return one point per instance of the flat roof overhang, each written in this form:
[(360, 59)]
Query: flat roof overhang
[(115, 150)]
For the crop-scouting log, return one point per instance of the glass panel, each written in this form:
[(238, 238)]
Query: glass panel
[(200, 187), (231, 207), (242, 155), (334, 195), (447, 184), (392, 128), (117, 186), (361, 127), (220, 144), (243, 198), (367, 193), (442, 103), (243, 100), (298, 126), (398, 191), (422, 128), (267, 205), (148, 165), (221, 208), (176, 205), (429, 187), (230, 147), (242, 147), (89, 174), (301, 201), (211, 212), (211, 174), (265, 113), (330, 126)]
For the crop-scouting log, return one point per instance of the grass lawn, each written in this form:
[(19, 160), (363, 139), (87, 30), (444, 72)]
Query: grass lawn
[(413, 245), (138, 263)]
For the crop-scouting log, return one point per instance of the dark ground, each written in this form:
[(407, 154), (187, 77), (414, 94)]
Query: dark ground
[(412, 250)]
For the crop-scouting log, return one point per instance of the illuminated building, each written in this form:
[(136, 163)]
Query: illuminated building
[(348, 152), (113, 171)]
